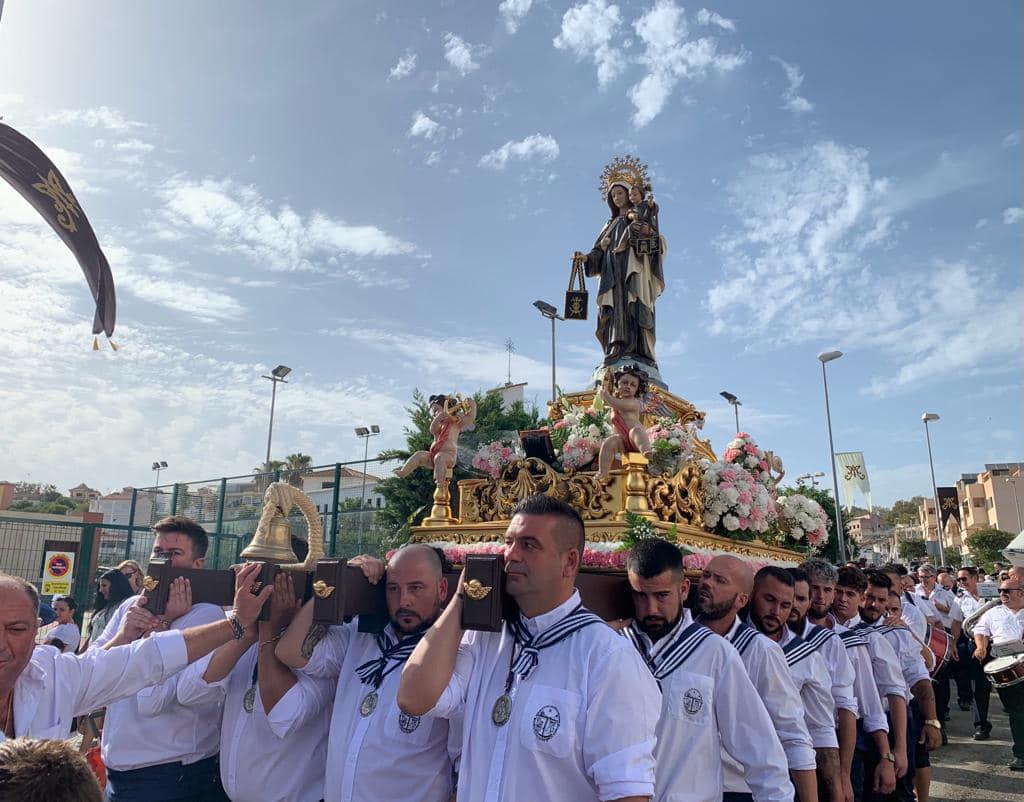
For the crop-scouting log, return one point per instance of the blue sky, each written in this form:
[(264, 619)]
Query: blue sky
[(375, 193)]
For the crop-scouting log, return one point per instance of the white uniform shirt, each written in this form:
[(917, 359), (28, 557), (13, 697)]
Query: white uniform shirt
[(385, 755), (839, 667), (970, 604), (942, 596), (810, 673), (708, 705), (908, 652), (153, 727), (279, 757), (885, 664), (869, 700), (767, 669), (68, 634), (1001, 624), (56, 687), (926, 607), (913, 615), (582, 726)]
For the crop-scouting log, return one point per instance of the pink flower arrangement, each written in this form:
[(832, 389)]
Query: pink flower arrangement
[(800, 517), (735, 503), (493, 457), (743, 451)]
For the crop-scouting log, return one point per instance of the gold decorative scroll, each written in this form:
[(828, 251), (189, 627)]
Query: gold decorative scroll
[(64, 203)]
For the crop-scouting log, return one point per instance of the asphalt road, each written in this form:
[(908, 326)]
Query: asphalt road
[(966, 769)]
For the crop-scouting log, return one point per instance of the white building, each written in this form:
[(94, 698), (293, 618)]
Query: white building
[(319, 486), (116, 507)]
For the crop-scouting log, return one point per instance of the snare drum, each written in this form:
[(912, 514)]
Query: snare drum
[(941, 645), (1003, 672)]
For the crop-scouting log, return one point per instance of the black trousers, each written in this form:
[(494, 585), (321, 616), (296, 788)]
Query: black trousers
[(941, 683), (972, 685), (1013, 701)]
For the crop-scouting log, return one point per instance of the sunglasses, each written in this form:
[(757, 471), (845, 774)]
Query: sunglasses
[(1008, 591)]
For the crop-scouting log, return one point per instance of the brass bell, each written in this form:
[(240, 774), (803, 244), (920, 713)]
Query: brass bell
[(273, 545)]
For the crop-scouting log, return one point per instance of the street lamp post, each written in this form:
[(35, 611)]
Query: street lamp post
[(926, 417), (276, 375), (366, 434), (550, 312), (736, 404), (158, 466), (828, 356)]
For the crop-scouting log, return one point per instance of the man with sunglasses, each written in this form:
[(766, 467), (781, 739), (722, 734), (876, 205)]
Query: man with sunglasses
[(1002, 625), (972, 687)]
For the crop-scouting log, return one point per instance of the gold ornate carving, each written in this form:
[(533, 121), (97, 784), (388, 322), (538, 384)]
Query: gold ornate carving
[(322, 589), (64, 203), (148, 583), (476, 590), (626, 170)]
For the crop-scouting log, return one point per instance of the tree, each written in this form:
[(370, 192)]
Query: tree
[(295, 465), (409, 500), (830, 551), (904, 512), (986, 545), (910, 550)]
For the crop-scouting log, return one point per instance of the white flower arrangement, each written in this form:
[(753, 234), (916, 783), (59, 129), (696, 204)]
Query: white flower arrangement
[(735, 503), (672, 444), (493, 457), (802, 517)]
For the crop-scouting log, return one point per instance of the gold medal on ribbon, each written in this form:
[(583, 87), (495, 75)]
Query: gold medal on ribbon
[(369, 704), (502, 710)]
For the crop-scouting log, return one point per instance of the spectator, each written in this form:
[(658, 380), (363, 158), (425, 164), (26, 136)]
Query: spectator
[(66, 635), (112, 589), (45, 771), (131, 569)]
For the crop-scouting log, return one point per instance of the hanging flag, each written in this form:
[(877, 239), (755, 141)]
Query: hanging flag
[(949, 504), (854, 476), (30, 171)]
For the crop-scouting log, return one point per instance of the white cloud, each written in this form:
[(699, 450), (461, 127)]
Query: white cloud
[(982, 223), (133, 146), (790, 97), (231, 218), (512, 13), (425, 127), (10, 99), (1011, 140), (705, 17), (100, 117), (587, 31), (404, 68), (536, 146), (670, 56), (461, 54), (1013, 214)]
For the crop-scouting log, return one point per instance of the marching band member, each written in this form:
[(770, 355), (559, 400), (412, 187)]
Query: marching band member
[(368, 732), (944, 603), (42, 690), (973, 687), (724, 590), (912, 612), (546, 713), (273, 720), (888, 674), (708, 703), (1003, 624), (872, 728), (924, 731), (143, 745), (770, 605)]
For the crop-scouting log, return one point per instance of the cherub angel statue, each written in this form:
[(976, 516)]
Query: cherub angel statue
[(452, 416), (627, 402)]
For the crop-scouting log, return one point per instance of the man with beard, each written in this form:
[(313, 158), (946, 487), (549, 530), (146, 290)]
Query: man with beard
[(556, 704), (724, 590), (374, 750), (872, 728), (708, 704), (923, 729)]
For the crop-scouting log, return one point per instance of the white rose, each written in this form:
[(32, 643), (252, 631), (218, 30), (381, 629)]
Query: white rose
[(731, 522)]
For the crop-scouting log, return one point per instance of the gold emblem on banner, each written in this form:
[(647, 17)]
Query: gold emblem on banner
[(64, 203)]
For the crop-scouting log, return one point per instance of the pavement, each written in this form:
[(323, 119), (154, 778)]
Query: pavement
[(966, 769)]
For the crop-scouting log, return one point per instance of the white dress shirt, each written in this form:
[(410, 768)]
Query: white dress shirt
[(839, 667), (869, 700), (809, 669), (280, 757), (68, 634), (767, 669), (384, 755), (942, 596), (908, 652), (1001, 624), (969, 604), (709, 705), (56, 687), (153, 727), (582, 725), (912, 614), (885, 664)]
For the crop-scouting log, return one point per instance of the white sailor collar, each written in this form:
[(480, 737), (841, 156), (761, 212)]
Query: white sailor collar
[(545, 621)]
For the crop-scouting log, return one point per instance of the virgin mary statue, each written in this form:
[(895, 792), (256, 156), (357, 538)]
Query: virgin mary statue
[(628, 258)]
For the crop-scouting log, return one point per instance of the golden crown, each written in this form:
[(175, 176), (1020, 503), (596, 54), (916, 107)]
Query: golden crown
[(623, 170)]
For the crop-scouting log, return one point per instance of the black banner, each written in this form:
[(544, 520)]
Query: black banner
[(950, 506), (29, 171)]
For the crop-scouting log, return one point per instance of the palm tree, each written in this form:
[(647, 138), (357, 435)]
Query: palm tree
[(264, 473), (295, 466)]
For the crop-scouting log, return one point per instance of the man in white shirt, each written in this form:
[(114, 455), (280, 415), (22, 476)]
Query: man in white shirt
[(42, 690), (973, 687), (273, 739), (725, 587), (556, 705), (999, 625), (708, 703), (155, 748), (771, 603), (374, 751), (912, 613), (66, 635), (943, 601)]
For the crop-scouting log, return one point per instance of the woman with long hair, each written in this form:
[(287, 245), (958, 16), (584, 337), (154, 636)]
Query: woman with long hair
[(111, 589), (133, 571)]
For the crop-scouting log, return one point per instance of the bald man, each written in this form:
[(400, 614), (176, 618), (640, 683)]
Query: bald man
[(724, 590), (374, 751)]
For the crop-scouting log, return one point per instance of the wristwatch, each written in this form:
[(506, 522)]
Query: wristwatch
[(889, 756), (933, 722)]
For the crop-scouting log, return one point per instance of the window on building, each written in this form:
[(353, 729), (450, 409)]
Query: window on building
[(979, 502), (378, 501), (326, 485)]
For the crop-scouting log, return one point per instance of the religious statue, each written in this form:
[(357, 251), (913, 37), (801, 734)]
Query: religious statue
[(627, 257), (626, 403), (452, 416)]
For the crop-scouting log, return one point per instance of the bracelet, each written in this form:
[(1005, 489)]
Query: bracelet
[(267, 642), (236, 627)]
